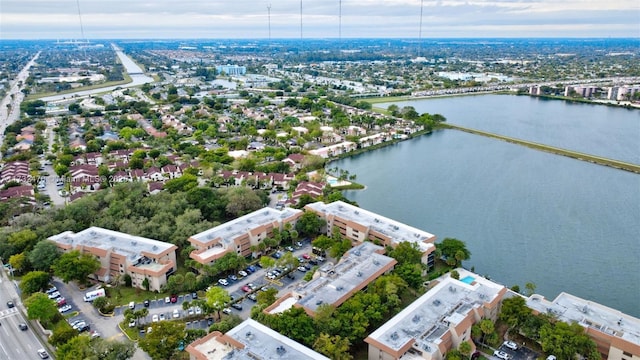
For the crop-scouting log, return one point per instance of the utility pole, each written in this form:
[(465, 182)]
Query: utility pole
[(420, 32), (340, 20), (269, 15)]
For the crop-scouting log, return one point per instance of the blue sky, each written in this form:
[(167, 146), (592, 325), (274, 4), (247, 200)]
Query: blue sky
[(58, 19)]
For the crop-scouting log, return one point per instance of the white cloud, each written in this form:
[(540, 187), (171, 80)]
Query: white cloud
[(364, 18)]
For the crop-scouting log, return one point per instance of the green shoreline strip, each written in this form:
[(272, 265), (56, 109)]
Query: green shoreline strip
[(554, 150)]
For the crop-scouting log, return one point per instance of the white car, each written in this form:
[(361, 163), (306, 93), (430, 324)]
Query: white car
[(162, 317), (167, 300), (54, 295), (132, 323), (501, 355), (154, 318), (226, 311), (198, 310), (223, 282), (64, 308), (176, 313), (242, 273), (191, 311), (510, 345)]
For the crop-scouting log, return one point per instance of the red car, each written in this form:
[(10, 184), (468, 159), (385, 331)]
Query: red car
[(174, 298), (246, 288), (61, 301), (306, 256)]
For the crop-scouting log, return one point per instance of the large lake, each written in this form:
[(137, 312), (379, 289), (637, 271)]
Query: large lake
[(526, 215)]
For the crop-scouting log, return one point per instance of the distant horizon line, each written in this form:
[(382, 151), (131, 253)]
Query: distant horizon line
[(414, 39)]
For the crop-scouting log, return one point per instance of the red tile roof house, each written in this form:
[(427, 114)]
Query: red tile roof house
[(295, 161), (139, 175), (15, 171), (23, 191), (84, 178), (155, 187)]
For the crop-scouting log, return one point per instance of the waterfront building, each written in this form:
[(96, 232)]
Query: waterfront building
[(122, 254), (616, 334), (438, 321), (249, 340), (360, 225), (240, 234), (335, 284)]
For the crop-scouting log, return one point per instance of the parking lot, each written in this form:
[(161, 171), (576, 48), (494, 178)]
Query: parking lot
[(520, 353), (107, 326)]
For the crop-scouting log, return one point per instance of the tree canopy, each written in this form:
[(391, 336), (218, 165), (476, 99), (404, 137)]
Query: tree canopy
[(76, 266)]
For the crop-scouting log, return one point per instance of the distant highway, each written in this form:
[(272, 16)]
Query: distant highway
[(10, 105), (135, 72)]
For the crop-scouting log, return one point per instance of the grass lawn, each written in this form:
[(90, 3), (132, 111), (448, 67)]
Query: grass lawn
[(122, 295), (127, 79)]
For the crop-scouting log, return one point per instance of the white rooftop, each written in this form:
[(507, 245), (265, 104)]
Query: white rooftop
[(428, 318), (120, 243), (570, 308), (264, 343), (397, 231), (231, 229), (358, 265)]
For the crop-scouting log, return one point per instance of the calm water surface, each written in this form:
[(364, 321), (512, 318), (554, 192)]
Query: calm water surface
[(526, 215)]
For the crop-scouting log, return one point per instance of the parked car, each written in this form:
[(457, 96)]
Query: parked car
[(64, 308), (226, 311), (198, 310), (194, 295), (236, 306), (167, 300), (174, 299), (242, 273), (146, 303), (51, 290), (306, 256), (132, 323), (289, 248), (61, 301), (209, 321), (54, 295), (155, 318), (252, 286), (223, 282), (162, 317), (302, 269), (176, 313), (510, 345), (232, 277), (84, 328), (251, 268), (252, 297), (501, 355), (78, 325), (246, 288)]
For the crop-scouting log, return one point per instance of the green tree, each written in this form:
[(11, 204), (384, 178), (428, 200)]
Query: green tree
[(75, 266), (23, 240), (267, 262), (162, 343), (217, 298), (100, 303), (454, 251), (185, 182), (566, 340), (44, 255), (333, 347), (242, 200), (40, 307), (62, 333), (406, 252), (487, 327), (78, 347), (19, 262), (309, 224), (514, 311), (465, 349), (531, 288), (34, 281)]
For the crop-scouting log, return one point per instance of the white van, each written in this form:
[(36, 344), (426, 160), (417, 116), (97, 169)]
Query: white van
[(132, 305)]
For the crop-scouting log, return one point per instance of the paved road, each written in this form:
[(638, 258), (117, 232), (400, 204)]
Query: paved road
[(14, 97), (15, 343)]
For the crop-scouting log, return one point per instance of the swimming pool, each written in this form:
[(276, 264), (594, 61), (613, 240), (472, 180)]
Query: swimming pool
[(467, 279)]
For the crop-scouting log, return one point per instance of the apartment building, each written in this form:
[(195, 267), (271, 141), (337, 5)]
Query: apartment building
[(335, 284), (240, 234), (120, 254), (359, 225), (438, 321), (616, 334), (249, 340)]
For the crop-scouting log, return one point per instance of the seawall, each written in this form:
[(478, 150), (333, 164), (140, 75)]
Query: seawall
[(635, 168)]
